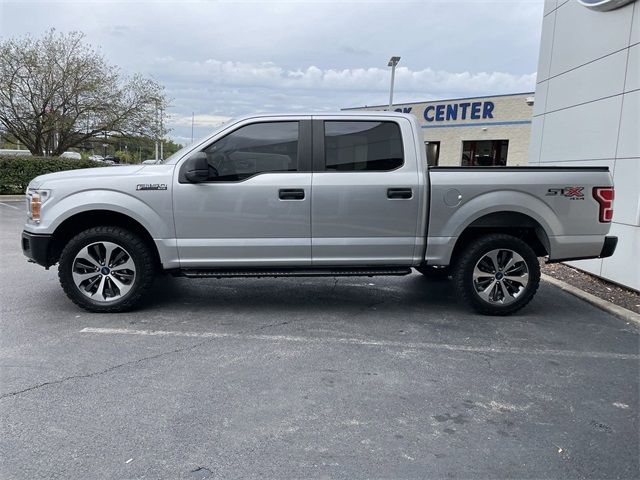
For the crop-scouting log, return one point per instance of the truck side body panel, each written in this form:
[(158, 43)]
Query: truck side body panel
[(354, 221), (559, 200), (343, 218)]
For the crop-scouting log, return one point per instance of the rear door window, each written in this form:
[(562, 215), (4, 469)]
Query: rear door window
[(362, 146)]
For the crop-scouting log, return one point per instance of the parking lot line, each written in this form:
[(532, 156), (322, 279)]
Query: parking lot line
[(365, 342), (10, 206)]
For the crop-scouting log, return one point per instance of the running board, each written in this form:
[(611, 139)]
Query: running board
[(296, 272)]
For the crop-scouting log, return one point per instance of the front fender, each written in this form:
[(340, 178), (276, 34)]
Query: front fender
[(158, 221)]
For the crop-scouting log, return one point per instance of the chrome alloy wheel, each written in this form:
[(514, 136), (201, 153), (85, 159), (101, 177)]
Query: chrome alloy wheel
[(500, 276), (103, 271)]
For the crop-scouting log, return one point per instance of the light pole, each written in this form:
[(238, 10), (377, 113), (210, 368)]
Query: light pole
[(393, 61)]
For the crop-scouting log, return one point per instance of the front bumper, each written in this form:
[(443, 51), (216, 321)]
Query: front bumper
[(610, 244), (36, 248)]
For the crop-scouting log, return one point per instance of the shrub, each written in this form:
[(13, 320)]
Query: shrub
[(17, 172)]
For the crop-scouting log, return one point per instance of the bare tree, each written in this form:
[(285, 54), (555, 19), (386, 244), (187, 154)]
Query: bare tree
[(56, 92)]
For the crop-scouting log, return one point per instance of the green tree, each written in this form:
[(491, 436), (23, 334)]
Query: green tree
[(57, 92)]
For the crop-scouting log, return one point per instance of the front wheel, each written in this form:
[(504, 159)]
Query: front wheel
[(106, 269), (497, 274)]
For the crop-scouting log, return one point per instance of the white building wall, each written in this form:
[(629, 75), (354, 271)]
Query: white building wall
[(587, 112), (511, 120)]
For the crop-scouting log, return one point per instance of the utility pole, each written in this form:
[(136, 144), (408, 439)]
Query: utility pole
[(393, 61), (161, 133)]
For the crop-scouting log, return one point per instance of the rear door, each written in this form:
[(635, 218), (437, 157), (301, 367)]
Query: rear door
[(365, 194), (255, 209)]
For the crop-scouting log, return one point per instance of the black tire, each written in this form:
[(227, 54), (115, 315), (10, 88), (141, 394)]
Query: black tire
[(135, 248), (434, 272), (506, 288)]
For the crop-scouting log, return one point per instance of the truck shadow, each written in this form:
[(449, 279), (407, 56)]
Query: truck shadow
[(411, 297)]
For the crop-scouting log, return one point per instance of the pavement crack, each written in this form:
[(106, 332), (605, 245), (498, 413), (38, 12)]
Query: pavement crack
[(262, 327), (106, 370)]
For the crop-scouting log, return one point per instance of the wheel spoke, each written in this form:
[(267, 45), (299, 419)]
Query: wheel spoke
[(478, 274), (493, 256), (87, 258), (108, 252), (510, 263), (486, 293), (100, 290), (507, 291), (521, 279), (81, 277), (123, 287), (126, 265)]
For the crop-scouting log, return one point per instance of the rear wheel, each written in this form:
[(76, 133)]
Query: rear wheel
[(497, 274), (106, 269)]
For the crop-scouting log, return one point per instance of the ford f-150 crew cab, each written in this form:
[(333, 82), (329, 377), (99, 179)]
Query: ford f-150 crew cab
[(314, 195)]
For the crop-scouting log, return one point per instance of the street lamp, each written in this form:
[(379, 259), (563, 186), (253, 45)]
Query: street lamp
[(393, 61)]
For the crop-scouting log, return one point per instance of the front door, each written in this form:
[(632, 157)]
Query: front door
[(255, 209), (365, 200)]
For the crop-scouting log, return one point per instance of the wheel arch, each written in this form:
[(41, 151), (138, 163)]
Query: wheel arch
[(516, 224), (81, 221)]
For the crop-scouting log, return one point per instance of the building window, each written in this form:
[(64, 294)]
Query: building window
[(485, 153), (433, 152)]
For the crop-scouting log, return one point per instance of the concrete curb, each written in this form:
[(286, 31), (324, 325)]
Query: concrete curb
[(605, 305), (11, 198)]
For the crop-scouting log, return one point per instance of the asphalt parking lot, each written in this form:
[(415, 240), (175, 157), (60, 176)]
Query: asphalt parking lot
[(309, 378)]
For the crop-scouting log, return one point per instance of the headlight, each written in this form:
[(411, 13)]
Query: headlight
[(35, 199)]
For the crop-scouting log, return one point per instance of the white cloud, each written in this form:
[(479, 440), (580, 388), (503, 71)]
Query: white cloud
[(200, 120), (221, 58), (216, 90), (214, 72)]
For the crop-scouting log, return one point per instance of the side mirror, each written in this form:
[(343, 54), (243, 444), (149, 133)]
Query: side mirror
[(196, 168)]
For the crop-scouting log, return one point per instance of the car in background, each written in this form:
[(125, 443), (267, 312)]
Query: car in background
[(71, 155), (112, 158), (96, 158), (12, 152)]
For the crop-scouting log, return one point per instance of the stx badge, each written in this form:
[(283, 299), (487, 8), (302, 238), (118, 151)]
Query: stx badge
[(151, 186), (572, 193)]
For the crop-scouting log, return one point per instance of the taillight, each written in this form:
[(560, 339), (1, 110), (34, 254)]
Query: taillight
[(604, 197)]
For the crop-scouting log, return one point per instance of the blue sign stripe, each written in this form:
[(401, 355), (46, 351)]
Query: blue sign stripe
[(479, 124)]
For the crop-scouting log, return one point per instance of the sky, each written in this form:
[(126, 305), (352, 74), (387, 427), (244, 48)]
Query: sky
[(219, 59)]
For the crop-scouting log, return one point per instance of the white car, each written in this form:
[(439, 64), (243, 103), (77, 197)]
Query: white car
[(72, 155), (10, 152), (96, 158)]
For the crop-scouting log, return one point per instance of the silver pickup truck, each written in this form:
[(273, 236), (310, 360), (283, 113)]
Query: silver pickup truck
[(315, 195)]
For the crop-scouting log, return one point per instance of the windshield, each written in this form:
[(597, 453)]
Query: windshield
[(172, 158)]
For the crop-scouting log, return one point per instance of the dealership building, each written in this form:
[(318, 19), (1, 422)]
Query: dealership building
[(587, 111), (479, 131)]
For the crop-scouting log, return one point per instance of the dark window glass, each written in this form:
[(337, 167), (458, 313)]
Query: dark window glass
[(484, 153), (253, 149), (362, 146), (433, 153)]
